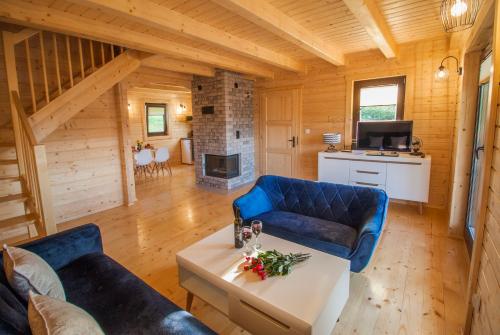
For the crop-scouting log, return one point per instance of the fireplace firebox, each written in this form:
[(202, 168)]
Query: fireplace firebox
[(219, 166)]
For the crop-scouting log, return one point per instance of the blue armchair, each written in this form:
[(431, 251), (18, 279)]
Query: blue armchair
[(341, 220), (119, 301)]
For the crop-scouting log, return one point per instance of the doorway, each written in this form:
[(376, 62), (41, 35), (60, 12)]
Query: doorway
[(477, 166), (279, 131)]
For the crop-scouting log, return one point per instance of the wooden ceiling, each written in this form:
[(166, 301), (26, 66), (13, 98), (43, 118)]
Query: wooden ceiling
[(256, 37)]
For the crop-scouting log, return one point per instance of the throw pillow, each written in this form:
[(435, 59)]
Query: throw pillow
[(12, 311), (27, 271), (49, 316)]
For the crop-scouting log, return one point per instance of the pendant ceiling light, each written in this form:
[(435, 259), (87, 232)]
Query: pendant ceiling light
[(458, 15)]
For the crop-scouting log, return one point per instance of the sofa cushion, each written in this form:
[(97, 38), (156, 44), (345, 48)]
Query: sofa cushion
[(331, 237), (122, 303), (333, 202), (26, 271), (12, 312), (49, 316)]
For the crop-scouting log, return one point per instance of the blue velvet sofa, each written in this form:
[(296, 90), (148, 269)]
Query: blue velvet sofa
[(119, 301), (341, 220)]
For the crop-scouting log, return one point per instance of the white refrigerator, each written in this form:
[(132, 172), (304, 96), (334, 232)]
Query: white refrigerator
[(187, 153)]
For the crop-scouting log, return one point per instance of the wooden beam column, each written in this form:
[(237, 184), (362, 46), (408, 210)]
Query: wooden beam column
[(272, 19), (9, 40), (38, 16), (126, 159), (370, 17), (149, 13)]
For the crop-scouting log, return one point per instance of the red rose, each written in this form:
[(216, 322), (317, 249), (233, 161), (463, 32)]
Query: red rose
[(246, 267)]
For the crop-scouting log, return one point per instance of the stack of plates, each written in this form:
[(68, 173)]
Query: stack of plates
[(332, 138)]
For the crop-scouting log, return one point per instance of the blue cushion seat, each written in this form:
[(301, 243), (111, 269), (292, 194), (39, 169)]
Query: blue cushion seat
[(342, 220), (312, 232)]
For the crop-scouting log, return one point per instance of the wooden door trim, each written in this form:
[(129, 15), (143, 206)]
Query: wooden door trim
[(491, 118)]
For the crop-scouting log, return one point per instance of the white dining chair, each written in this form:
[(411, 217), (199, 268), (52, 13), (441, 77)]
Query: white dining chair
[(144, 158), (162, 158)]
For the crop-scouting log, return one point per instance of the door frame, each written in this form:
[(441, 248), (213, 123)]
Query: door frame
[(296, 128), (469, 240)]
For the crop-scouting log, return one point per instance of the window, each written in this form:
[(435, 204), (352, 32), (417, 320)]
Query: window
[(156, 119), (378, 100)]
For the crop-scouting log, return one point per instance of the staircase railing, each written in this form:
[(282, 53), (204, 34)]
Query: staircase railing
[(33, 174)]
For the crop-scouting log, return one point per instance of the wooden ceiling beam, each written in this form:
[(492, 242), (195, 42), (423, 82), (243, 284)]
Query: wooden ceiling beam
[(160, 17), (42, 17), (370, 17), (165, 63), (272, 19)]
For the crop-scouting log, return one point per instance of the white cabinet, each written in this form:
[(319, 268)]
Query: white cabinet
[(408, 182), (334, 170), (405, 177)]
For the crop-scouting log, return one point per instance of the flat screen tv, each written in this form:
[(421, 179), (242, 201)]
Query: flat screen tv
[(384, 135)]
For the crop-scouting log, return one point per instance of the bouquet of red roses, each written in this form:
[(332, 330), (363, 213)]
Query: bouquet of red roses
[(273, 263)]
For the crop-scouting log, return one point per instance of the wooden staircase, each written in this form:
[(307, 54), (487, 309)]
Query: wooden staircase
[(74, 71), (14, 222)]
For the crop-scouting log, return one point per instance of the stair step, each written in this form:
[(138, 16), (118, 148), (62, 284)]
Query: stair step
[(13, 198), (8, 161), (10, 186), (7, 152), (17, 221), (9, 179)]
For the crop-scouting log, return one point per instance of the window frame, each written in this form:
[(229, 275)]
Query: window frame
[(400, 81), (147, 105)]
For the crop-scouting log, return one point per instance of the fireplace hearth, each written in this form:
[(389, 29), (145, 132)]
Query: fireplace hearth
[(220, 166)]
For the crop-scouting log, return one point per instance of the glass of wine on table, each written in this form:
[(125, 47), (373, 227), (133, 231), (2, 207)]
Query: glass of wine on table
[(257, 229), (246, 236)]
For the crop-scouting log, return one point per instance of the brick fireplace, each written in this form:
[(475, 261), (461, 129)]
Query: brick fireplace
[(223, 130)]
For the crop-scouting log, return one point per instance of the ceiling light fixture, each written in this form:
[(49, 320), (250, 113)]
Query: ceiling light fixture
[(458, 15), (442, 73)]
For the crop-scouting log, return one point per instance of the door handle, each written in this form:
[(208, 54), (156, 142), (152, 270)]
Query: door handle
[(481, 148), (293, 141)]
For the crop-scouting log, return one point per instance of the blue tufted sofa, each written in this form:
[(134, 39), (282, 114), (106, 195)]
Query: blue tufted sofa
[(341, 220), (119, 301)]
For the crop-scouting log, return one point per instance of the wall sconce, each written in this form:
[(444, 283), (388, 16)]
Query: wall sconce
[(129, 108), (442, 73), (180, 112)]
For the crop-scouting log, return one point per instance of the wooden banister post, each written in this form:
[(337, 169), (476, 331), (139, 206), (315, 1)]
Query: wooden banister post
[(45, 190), (126, 159)]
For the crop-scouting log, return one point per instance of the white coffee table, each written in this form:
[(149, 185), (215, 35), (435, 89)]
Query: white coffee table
[(308, 301)]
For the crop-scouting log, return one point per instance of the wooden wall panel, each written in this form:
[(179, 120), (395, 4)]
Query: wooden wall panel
[(84, 161), (177, 128), (431, 104)]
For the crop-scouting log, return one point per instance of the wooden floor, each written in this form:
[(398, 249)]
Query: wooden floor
[(415, 284)]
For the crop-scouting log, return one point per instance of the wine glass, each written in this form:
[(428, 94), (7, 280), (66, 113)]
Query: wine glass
[(257, 229), (246, 236)]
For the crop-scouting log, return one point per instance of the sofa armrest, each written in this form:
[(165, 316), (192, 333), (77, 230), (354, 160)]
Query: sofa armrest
[(369, 231), (60, 249), (253, 203)]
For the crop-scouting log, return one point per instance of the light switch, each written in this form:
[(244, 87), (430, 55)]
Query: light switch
[(307, 131)]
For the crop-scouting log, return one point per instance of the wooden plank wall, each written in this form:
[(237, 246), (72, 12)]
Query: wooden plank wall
[(84, 161), (486, 318), (431, 104), (177, 127)]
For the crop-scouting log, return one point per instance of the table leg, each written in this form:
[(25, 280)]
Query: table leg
[(189, 301)]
